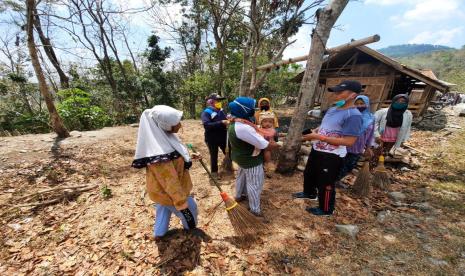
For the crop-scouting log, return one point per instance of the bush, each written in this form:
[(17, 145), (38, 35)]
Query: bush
[(78, 112)]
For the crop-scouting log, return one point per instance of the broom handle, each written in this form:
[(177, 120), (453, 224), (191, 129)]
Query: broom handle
[(206, 169)]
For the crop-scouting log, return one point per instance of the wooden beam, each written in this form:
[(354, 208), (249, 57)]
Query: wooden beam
[(331, 51)]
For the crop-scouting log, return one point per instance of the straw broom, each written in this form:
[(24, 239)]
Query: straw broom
[(227, 166), (381, 176), (245, 224), (362, 185)]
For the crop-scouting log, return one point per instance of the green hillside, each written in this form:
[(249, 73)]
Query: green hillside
[(448, 65), (405, 50)]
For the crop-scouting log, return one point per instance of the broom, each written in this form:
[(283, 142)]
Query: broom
[(227, 166), (381, 176), (362, 182), (244, 223)]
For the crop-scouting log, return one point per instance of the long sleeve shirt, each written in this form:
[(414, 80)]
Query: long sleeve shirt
[(215, 130), (366, 139)]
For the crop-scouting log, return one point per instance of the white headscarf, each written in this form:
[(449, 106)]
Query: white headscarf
[(153, 138)]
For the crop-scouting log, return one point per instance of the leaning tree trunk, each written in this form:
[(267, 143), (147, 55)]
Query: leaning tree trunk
[(50, 52), (55, 119), (325, 21)]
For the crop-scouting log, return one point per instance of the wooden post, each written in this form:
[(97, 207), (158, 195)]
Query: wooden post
[(331, 51)]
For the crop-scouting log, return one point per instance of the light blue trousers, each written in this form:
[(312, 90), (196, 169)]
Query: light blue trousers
[(163, 216)]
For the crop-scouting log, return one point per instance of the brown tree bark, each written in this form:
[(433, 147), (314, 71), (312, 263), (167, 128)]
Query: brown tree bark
[(325, 21), (55, 119), (50, 52)]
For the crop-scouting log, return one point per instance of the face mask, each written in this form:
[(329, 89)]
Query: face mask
[(218, 105), (399, 106), (340, 103), (362, 108), (265, 108)]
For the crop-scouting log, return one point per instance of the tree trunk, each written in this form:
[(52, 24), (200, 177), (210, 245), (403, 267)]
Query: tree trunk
[(244, 86), (192, 105), (325, 21), (50, 52), (221, 72), (55, 119)]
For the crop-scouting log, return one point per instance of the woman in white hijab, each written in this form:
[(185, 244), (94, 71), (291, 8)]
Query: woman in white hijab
[(167, 163)]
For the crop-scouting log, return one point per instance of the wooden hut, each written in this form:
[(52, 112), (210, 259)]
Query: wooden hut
[(381, 78)]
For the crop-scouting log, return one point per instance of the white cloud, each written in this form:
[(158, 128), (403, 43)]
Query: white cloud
[(432, 10), (443, 37), (427, 11)]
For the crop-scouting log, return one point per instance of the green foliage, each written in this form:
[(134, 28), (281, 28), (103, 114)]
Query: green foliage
[(279, 84), (78, 112), (405, 50), (106, 192), (24, 122), (447, 65), (196, 88)]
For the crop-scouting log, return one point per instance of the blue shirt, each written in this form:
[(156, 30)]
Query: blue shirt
[(339, 123), (215, 130)]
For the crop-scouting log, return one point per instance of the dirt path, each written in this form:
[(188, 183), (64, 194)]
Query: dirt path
[(421, 234)]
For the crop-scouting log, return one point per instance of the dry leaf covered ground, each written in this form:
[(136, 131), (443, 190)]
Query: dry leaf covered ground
[(106, 230)]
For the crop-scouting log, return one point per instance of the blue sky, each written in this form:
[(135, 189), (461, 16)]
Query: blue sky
[(397, 22)]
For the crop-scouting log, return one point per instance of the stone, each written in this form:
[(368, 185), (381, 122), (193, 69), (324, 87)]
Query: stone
[(381, 217), (427, 247), (437, 262), (422, 206), (75, 133), (348, 229), (390, 238), (134, 125), (397, 196)]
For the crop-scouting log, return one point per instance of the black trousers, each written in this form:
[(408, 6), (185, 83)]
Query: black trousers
[(213, 149), (320, 176)]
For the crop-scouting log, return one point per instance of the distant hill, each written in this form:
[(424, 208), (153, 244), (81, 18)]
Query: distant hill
[(398, 51), (448, 65)]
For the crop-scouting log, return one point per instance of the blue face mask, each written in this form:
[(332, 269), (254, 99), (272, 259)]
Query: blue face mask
[(362, 108), (340, 103), (399, 106)]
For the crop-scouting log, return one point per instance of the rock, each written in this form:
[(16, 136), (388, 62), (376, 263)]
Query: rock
[(427, 247), (301, 168), (405, 169), (75, 133), (381, 217), (423, 206), (134, 125), (348, 229), (437, 262), (390, 238), (15, 226), (397, 196), (23, 151)]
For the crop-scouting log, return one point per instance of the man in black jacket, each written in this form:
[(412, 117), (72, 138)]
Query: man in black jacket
[(215, 124)]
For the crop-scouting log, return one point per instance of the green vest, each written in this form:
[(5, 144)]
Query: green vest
[(241, 151)]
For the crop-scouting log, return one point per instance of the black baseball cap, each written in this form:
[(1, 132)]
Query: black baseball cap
[(351, 85), (215, 96)]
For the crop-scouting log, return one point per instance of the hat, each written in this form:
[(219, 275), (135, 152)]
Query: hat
[(215, 96), (265, 115), (351, 85)]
